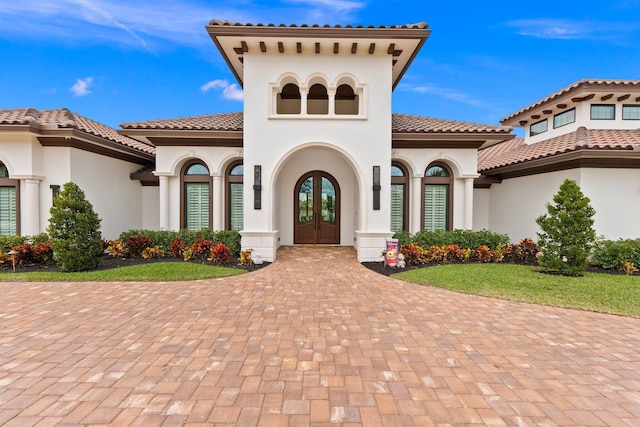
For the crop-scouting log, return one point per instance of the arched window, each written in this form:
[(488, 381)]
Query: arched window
[(9, 203), (196, 198), (399, 197), (437, 198), (317, 100), (235, 173), (288, 101), (346, 100)]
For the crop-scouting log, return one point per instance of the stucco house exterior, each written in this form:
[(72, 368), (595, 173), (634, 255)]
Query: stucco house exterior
[(317, 157)]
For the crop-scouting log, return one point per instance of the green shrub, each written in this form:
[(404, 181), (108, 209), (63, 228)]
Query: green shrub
[(74, 228), (567, 231), (404, 238), (613, 254), (163, 238), (231, 238), (462, 238), (8, 242)]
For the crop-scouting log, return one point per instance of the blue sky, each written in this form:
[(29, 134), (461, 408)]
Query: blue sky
[(117, 61)]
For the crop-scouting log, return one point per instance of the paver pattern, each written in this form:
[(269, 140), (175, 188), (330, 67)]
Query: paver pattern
[(314, 339)]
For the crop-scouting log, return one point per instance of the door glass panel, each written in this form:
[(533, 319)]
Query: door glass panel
[(328, 201), (305, 201)]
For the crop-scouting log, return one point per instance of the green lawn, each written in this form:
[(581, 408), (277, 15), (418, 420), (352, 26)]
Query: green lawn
[(153, 272), (595, 292)]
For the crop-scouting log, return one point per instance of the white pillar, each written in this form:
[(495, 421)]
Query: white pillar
[(30, 205), (468, 203), (332, 101), (415, 214), (164, 202), (303, 99), (218, 204)]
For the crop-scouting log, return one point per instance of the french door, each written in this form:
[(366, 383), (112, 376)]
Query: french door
[(317, 209)]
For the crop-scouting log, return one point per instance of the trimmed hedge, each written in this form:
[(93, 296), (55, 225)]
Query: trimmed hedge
[(462, 238), (164, 238), (613, 254)]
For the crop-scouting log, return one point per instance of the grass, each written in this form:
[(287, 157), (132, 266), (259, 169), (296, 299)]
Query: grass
[(598, 292), (153, 272)]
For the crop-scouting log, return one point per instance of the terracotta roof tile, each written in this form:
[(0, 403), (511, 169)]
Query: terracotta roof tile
[(62, 118), (419, 25), (402, 123), (219, 122), (405, 123), (516, 151), (580, 84)]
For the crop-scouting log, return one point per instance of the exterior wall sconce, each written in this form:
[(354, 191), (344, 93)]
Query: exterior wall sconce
[(376, 188), (55, 189), (257, 187)]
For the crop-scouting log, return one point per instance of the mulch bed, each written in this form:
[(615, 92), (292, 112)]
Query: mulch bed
[(109, 262)]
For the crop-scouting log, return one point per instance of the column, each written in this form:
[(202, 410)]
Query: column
[(164, 202), (415, 215), (30, 205), (332, 101), (218, 204), (303, 99), (468, 203)]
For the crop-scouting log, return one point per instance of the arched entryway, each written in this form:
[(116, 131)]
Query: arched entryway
[(317, 209)]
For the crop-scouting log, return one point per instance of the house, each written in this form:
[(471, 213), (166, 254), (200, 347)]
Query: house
[(588, 131), (317, 157)]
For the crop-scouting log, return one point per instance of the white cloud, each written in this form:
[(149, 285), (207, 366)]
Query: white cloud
[(230, 91), (566, 29), (444, 93), (81, 86)]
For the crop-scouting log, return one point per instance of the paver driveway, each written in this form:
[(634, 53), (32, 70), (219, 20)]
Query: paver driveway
[(313, 339)]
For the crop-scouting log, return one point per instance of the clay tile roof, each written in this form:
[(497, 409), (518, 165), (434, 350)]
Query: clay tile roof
[(575, 87), (219, 122), (401, 123), (405, 123), (419, 25), (516, 151), (64, 119)]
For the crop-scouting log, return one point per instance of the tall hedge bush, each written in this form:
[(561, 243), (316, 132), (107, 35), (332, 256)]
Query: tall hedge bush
[(74, 230)]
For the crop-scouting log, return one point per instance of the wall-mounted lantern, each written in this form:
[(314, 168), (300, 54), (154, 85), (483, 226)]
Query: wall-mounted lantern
[(376, 188), (257, 187)]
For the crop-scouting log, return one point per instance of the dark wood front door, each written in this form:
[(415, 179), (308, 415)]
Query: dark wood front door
[(317, 209)]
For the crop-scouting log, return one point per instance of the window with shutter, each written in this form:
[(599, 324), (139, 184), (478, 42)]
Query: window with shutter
[(196, 199), (399, 197), (8, 203), (436, 197), (235, 205)]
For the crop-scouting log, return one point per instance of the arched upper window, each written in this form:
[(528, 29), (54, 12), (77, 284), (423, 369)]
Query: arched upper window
[(317, 100), (346, 100), (399, 197), (196, 196), (235, 204), (288, 101), (9, 203), (437, 198)]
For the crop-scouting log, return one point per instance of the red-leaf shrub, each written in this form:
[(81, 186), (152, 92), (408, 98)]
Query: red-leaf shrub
[(201, 246), (220, 253), (136, 244), (177, 247)]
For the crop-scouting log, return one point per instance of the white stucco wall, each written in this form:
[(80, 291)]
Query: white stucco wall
[(481, 208), (615, 196), (517, 202), (150, 208), (171, 159), (272, 141)]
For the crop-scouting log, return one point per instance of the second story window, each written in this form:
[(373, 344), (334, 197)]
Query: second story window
[(538, 128), (603, 112), (631, 112), (564, 118), (317, 100), (288, 101)]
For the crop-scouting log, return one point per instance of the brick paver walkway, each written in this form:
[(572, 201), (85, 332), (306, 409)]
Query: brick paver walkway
[(314, 339)]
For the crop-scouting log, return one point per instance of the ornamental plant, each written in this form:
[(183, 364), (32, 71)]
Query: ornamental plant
[(567, 231), (74, 230)]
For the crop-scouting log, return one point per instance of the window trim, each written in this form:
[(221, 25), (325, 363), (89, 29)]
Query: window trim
[(405, 181), (184, 179), (546, 121), (232, 179), (627, 106), (556, 126), (612, 106), (436, 180)]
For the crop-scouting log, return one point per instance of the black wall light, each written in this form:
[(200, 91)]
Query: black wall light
[(376, 188), (257, 187)]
